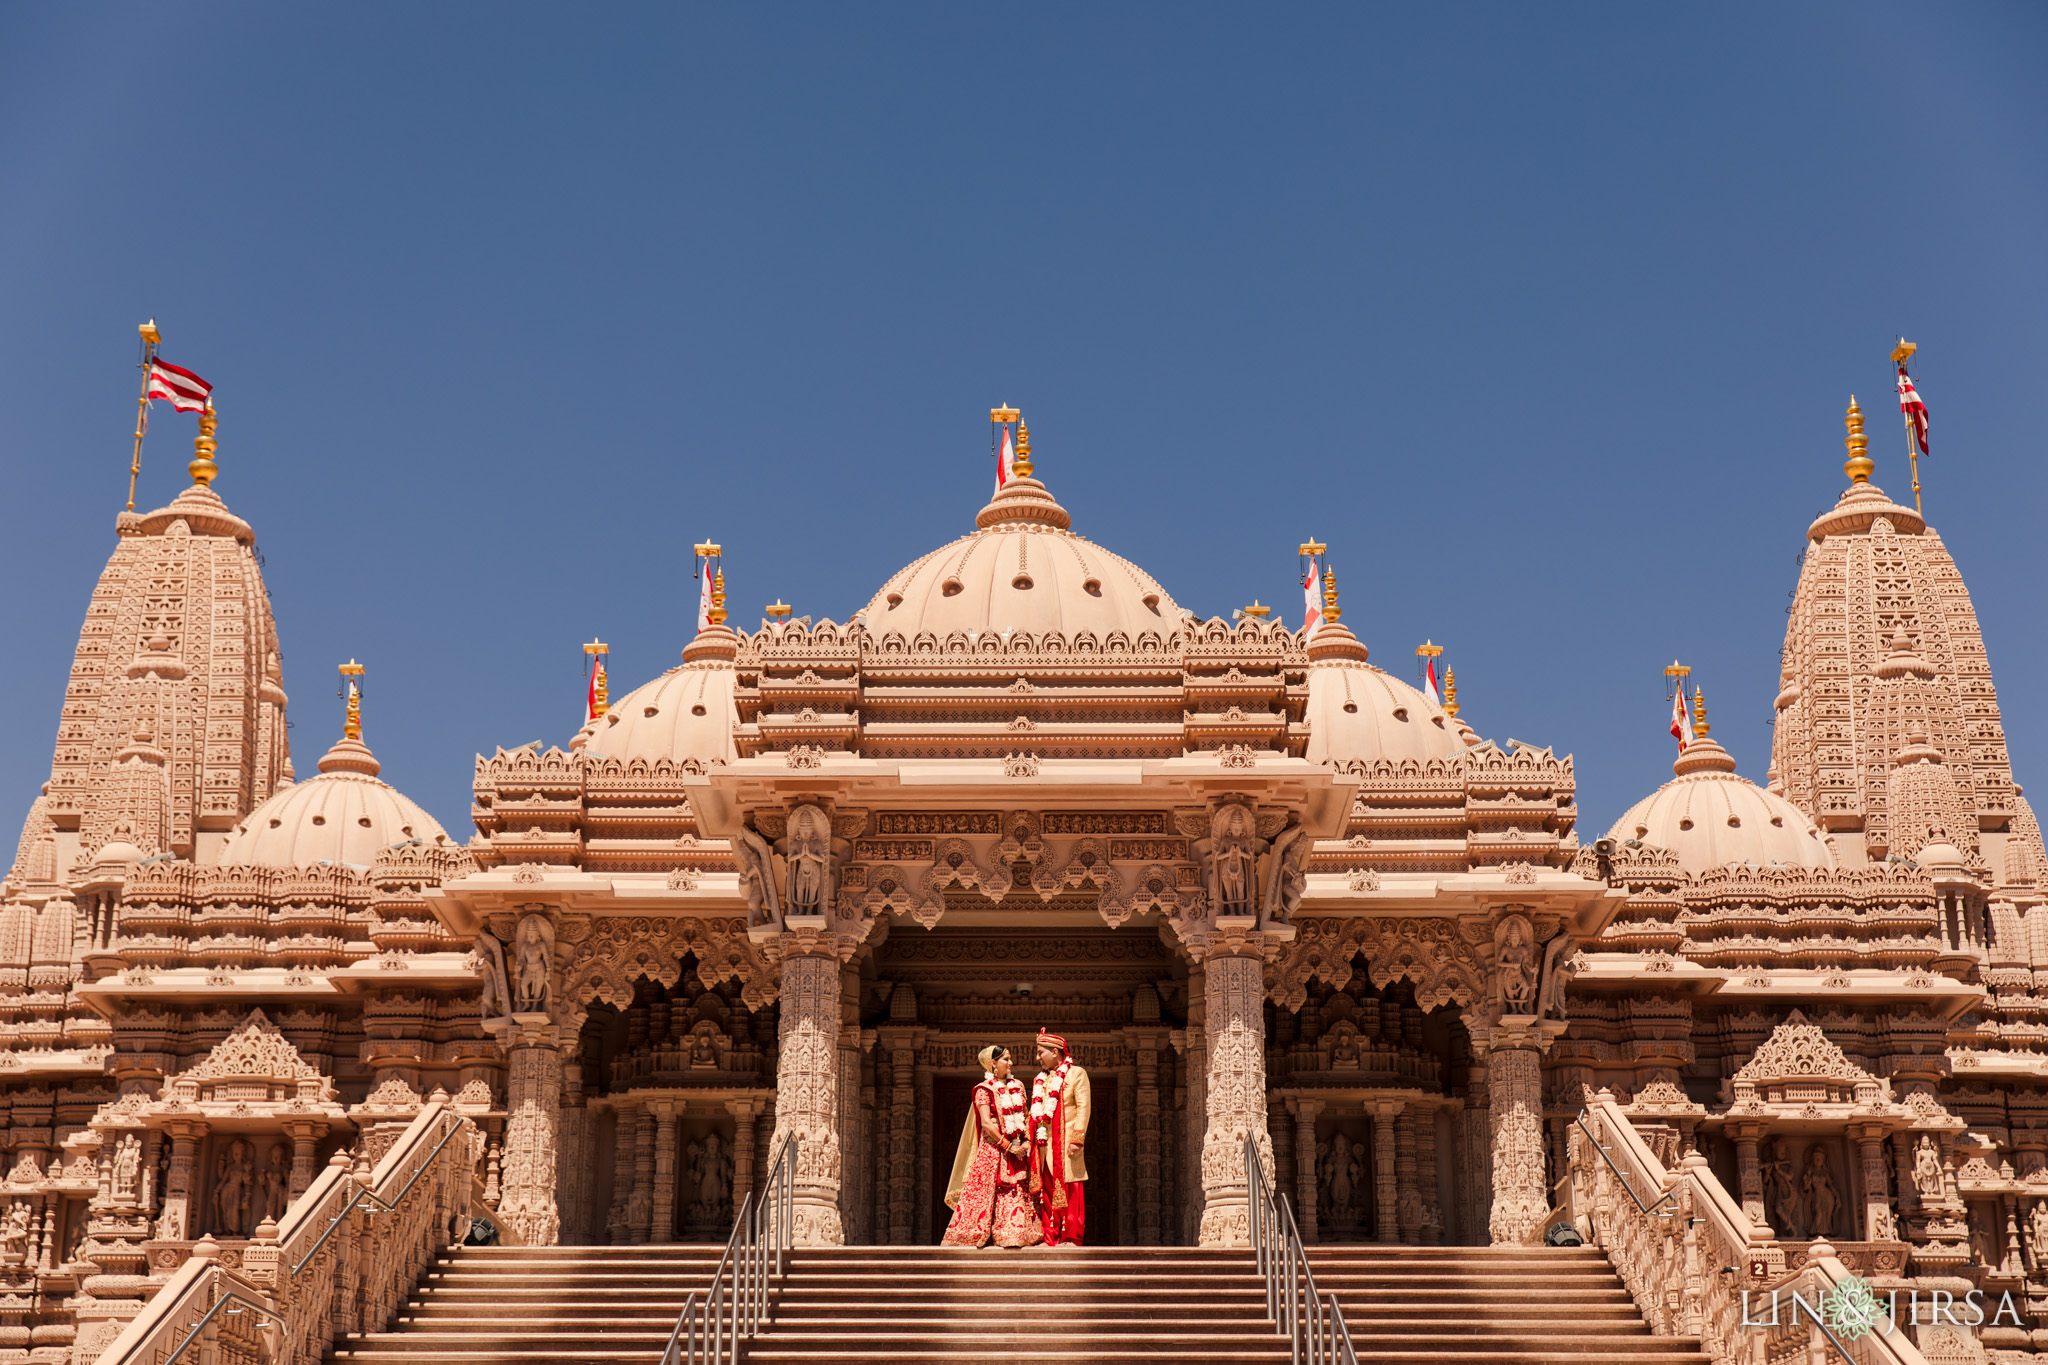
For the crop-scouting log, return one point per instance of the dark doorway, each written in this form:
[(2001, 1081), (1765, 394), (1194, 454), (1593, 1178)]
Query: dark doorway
[(951, 1098)]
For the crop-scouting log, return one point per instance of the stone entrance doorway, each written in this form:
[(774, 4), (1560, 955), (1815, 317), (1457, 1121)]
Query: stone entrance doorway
[(951, 1096)]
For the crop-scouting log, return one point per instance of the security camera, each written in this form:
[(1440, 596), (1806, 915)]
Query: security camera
[(1022, 988)]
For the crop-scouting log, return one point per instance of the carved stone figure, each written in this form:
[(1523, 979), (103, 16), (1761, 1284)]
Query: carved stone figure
[(757, 878), (128, 1167), (1560, 964), (2037, 1233), (1233, 856), (703, 1052), (273, 1183), (711, 1180), (810, 861), (234, 1191), (1515, 959), (1782, 1191), (1282, 877), (1344, 1171), (497, 985), (536, 954), (1927, 1170), (14, 1232), (1818, 1187)]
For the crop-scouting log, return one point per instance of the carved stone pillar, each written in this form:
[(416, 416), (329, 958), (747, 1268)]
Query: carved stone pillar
[(572, 1171), (641, 1210), (1748, 1174), (1235, 1025), (1877, 1224), (807, 1094), (619, 1222), (1149, 1154), (899, 1044), (1475, 1170), (533, 1101), (176, 1225), (663, 1228), (742, 1112), (1127, 1154), (1279, 1123), (1305, 1113), (1385, 1177), (853, 1140), (1425, 1178), (304, 1135), (1514, 1087), (1407, 1185), (1195, 1114), (921, 1143)]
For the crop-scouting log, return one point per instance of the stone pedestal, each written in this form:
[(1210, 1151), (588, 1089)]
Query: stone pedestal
[(533, 1101)]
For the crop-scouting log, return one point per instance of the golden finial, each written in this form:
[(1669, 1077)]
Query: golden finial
[(1699, 713), (1256, 610), (1330, 612), (1428, 650), (777, 609), (203, 468), (1005, 413), (1312, 546), (352, 723), (1859, 464), (1903, 352), (1451, 692), (1678, 670), (718, 598), (1023, 465), (600, 692)]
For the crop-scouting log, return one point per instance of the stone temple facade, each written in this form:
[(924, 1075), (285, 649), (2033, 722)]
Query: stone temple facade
[(791, 886)]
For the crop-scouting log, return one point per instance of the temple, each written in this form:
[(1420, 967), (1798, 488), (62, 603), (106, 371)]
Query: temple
[(1266, 888)]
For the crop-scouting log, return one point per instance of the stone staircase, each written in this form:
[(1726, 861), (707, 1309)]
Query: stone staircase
[(924, 1305)]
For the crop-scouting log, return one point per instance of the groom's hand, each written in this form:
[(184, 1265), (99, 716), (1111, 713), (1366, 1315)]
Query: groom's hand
[(1073, 1154)]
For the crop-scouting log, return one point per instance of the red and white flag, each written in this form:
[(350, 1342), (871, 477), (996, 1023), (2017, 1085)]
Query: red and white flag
[(1681, 719), (186, 391), (1429, 687), (1312, 600), (704, 603), (1006, 462), (1914, 410)]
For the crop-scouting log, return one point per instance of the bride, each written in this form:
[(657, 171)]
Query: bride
[(987, 1193)]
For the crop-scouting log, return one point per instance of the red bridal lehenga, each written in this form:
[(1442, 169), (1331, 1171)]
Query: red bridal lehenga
[(987, 1193)]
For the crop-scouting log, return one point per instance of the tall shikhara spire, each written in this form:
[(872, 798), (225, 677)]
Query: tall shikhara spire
[(1883, 653)]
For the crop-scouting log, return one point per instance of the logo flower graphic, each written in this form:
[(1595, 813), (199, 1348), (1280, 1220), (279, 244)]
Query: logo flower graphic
[(1852, 1308)]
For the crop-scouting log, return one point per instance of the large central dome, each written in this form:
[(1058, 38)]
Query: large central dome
[(1022, 570)]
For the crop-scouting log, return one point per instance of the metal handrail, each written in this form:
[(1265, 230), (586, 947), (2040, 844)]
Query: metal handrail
[(757, 1253), (1312, 1320), (1622, 1175), (221, 1301)]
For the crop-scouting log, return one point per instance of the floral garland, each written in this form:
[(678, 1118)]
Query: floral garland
[(1044, 1091), (1009, 1104)]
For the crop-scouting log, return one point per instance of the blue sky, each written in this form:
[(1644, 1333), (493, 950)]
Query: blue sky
[(1543, 317)]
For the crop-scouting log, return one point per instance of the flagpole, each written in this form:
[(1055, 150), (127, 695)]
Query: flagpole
[(150, 338), (1901, 354)]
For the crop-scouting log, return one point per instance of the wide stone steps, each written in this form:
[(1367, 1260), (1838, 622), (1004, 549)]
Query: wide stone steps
[(934, 1306)]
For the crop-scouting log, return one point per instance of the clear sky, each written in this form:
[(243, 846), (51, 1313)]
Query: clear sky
[(1544, 317)]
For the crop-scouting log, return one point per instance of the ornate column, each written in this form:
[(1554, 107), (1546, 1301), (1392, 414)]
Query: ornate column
[(1748, 1174), (572, 1172), (853, 1202), (1127, 1153), (1148, 1148), (1385, 1179), (1877, 1223), (619, 1222), (895, 1198), (304, 1134), (1425, 1178), (1407, 1188), (807, 1087), (533, 1101), (742, 1112), (921, 1143), (663, 1228), (640, 1212), (176, 1225), (1195, 1114), (1305, 1113), (1235, 1026), (1514, 1050)]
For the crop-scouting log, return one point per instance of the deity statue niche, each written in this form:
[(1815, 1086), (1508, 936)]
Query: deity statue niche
[(497, 981), (808, 853), (710, 1168), (15, 1233), (757, 863), (234, 1191), (1231, 852), (273, 1184), (1514, 957), (534, 961), (1283, 876), (1782, 1193), (1927, 1178), (1817, 1187), (128, 1168)]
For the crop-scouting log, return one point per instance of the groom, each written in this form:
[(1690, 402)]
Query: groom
[(1059, 1127)]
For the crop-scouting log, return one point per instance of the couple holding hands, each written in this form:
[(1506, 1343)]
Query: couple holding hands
[(1019, 1175)]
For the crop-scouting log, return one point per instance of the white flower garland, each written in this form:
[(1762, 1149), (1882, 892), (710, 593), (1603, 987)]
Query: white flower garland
[(1009, 1104), (1044, 1091)]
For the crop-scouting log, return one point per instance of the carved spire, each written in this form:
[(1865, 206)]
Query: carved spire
[(1859, 464), (202, 467)]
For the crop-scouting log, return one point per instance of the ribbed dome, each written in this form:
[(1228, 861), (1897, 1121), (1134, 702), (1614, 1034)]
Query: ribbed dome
[(1022, 570), (345, 815), (1710, 818), (685, 713), (1357, 712)]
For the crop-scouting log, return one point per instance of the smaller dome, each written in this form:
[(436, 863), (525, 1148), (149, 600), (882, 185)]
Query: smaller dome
[(1358, 713), (686, 713), (345, 815), (1710, 818)]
